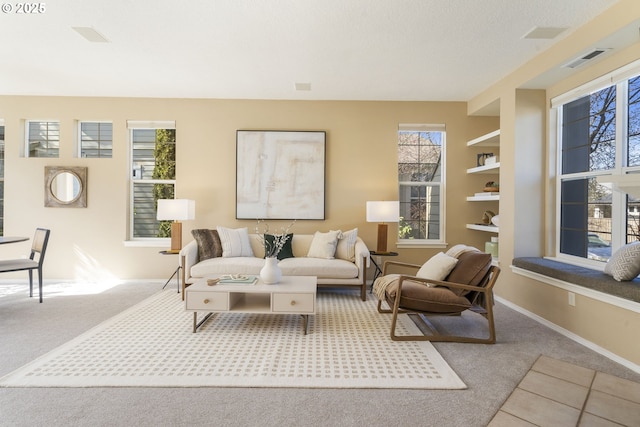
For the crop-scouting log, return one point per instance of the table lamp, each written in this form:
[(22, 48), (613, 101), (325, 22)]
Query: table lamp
[(176, 210), (383, 212)]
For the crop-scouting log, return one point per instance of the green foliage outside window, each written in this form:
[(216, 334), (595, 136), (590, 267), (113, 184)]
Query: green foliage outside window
[(165, 168)]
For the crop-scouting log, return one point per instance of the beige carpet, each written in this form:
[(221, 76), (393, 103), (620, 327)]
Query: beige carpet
[(152, 345)]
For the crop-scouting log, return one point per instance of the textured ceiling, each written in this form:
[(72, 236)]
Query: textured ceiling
[(259, 49)]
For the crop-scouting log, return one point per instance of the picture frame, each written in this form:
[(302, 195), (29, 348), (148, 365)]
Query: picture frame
[(280, 174)]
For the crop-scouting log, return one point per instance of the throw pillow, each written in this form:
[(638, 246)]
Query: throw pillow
[(235, 242), (323, 245), (286, 251), (437, 267), (346, 247), (208, 241), (624, 264)]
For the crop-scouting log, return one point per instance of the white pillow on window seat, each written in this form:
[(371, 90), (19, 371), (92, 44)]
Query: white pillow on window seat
[(624, 264)]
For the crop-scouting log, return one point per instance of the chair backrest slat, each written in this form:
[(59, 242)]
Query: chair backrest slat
[(40, 241)]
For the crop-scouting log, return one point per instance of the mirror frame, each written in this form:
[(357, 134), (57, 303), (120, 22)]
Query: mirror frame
[(51, 172)]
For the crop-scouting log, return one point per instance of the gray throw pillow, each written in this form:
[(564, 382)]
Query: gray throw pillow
[(208, 241), (624, 264)]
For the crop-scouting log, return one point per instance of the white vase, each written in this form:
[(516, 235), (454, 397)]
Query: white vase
[(271, 273)]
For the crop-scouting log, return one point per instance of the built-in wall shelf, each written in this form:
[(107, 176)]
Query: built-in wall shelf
[(492, 168), (492, 139), (483, 198), (482, 227)]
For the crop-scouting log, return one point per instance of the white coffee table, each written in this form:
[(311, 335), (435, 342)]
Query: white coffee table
[(293, 295)]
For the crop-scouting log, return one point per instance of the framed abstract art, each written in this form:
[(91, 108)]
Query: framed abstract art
[(280, 174)]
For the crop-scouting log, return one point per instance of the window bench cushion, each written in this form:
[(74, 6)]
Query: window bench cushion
[(582, 276)]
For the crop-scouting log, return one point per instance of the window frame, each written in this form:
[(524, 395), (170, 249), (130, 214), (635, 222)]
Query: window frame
[(80, 139), (441, 240), (619, 204), (131, 239), (27, 133)]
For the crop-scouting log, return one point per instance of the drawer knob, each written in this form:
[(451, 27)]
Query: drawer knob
[(293, 302), (206, 301)]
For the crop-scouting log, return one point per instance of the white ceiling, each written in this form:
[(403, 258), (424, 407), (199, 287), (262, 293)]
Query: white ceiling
[(445, 50)]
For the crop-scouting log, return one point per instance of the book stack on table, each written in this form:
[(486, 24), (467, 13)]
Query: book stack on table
[(238, 279)]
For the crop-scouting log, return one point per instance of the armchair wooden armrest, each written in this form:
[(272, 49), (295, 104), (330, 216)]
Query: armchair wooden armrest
[(450, 285), (388, 264)]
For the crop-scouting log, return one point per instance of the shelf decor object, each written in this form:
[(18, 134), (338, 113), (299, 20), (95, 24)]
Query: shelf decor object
[(176, 210), (383, 212)]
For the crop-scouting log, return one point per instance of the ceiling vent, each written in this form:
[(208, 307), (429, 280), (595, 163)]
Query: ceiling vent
[(544, 33), (585, 58)]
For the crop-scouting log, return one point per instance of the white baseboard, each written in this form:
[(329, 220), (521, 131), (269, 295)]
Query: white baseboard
[(606, 353)]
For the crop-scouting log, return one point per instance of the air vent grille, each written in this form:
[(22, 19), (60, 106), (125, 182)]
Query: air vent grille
[(584, 58)]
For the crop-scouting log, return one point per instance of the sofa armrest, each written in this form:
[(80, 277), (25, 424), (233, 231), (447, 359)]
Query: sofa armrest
[(188, 258), (362, 255)]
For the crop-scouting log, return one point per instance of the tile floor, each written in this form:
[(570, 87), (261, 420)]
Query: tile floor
[(557, 393)]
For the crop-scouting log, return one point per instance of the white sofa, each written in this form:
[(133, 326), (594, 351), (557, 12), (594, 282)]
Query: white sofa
[(330, 272)]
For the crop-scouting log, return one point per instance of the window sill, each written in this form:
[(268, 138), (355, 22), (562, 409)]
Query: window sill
[(420, 244), (148, 243)]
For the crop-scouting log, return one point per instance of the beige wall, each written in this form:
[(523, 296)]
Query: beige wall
[(526, 139), (361, 165)]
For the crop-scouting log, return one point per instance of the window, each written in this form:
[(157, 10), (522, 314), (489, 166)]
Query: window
[(96, 139), (421, 178), (43, 139), (153, 176), (599, 137)]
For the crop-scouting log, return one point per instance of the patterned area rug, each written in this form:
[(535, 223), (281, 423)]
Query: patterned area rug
[(152, 345)]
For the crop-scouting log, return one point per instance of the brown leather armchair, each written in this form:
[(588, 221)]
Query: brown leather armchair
[(469, 286)]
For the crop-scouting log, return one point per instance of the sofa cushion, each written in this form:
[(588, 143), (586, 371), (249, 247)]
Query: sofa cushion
[(322, 268), (230, 265), (324, 245), (624, 264), (208, 241), (286, 251), (298, 266), (470, 270), (346, 247), (437, 267), (235, 242)]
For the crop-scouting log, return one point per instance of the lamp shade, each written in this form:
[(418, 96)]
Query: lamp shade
[(176, 209), (384, 211)]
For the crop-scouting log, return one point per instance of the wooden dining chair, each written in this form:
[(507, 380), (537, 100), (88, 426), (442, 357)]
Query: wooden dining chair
[(39, 247)]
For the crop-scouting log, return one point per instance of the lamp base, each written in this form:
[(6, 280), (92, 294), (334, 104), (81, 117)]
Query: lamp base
[(382, 238), (176, 236)]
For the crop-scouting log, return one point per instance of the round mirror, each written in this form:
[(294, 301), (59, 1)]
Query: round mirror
[(65, 186)]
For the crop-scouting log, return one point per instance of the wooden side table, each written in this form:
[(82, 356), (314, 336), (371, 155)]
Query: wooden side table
[(378, 271), (176, 271)]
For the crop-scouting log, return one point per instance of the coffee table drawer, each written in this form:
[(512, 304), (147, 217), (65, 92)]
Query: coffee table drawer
[(208, 301), (293, 303)]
